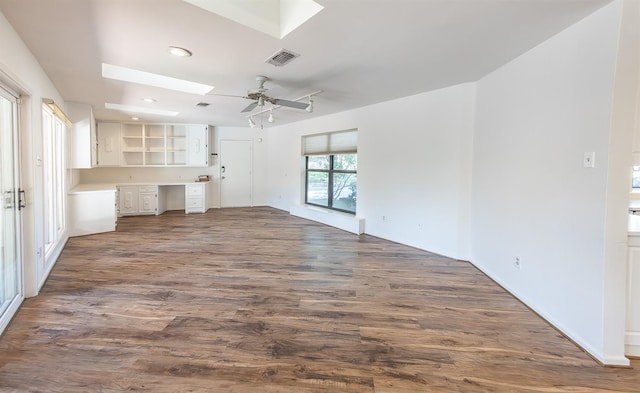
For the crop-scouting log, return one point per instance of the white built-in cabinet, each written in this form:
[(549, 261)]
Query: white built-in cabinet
[(109, 135), (198, 146), (153, 145), (83, 140), (138, 200), (92, 210), (128, 201), (148, 200), (195, 197)]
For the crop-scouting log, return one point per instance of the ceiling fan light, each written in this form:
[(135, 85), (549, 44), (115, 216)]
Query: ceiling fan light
[(271, 119), (260, 101), (310, 106), (252, 123)]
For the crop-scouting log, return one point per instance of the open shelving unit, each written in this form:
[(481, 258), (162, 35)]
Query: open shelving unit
[(153, 144), (132, 144)]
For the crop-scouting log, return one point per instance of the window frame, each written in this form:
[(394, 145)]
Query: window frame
[(330, 173), (54, 180)]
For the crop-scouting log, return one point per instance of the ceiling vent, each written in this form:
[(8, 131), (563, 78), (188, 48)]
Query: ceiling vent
[(282, 57), (203, 104)]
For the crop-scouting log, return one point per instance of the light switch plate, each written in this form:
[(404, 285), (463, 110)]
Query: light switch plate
[(589, 160)]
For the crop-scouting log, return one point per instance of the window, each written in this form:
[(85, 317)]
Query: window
[(635, 179), (53, 131), (331, 164)]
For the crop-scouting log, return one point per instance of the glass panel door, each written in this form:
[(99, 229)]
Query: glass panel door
[(11, 293)]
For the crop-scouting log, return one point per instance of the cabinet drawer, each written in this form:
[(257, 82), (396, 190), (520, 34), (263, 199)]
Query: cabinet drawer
[(193, 203), (193, 190), (148, 189)]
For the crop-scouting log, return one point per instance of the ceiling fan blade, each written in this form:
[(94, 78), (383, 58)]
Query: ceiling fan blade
[(226, 95), (250, 107), (291, 104)]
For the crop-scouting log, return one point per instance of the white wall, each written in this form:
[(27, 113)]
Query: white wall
[(414, 157), (624, 117), (20, 70), (532, 197)]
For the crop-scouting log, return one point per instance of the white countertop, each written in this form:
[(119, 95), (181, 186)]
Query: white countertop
[(102, 187), (82, 188)]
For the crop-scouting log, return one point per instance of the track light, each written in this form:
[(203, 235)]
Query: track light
[(310, 106), (252, 123), (271, 119)]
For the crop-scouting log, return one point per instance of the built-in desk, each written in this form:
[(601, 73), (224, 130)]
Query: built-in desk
[(94, 208)]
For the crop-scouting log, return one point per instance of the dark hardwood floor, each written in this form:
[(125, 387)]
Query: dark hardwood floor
[(254, 300)]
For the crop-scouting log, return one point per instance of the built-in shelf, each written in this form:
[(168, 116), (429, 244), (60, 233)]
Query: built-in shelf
[(158, 144)]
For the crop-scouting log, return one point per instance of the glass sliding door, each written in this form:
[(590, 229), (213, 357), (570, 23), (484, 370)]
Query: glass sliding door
[(11, 289)]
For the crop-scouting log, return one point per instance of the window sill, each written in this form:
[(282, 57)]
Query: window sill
[(345, 221)]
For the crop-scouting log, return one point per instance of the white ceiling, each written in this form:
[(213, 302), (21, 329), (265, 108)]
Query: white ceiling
[(359, 52)]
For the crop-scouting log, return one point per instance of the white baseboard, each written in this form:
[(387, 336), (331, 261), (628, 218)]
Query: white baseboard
[(632, 344), (595, 353), (346, 222)]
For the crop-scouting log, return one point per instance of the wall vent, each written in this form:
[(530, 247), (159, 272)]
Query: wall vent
[(203, 104), (282, 57)]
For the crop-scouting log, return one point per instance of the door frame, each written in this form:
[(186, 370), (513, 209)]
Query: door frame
[(13, 307), (221, 141)]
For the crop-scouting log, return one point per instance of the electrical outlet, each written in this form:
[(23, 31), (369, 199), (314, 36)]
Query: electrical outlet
[(589, 159), (517, 262)]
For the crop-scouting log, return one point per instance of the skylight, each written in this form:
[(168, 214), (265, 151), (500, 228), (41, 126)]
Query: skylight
[(274, 17), (137, 109), (147, 78)]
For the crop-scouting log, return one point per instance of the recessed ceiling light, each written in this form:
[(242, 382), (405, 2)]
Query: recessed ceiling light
[(135, 118), (147, 78), (148, 100), (180, 52), (136, 109)]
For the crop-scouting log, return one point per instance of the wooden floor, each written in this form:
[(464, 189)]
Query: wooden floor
[(254, 300)]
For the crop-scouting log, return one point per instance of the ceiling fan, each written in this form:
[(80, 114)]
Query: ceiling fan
[(259, 98)]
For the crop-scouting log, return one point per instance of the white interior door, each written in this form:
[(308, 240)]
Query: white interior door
[(235, 173), (11, 288)]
